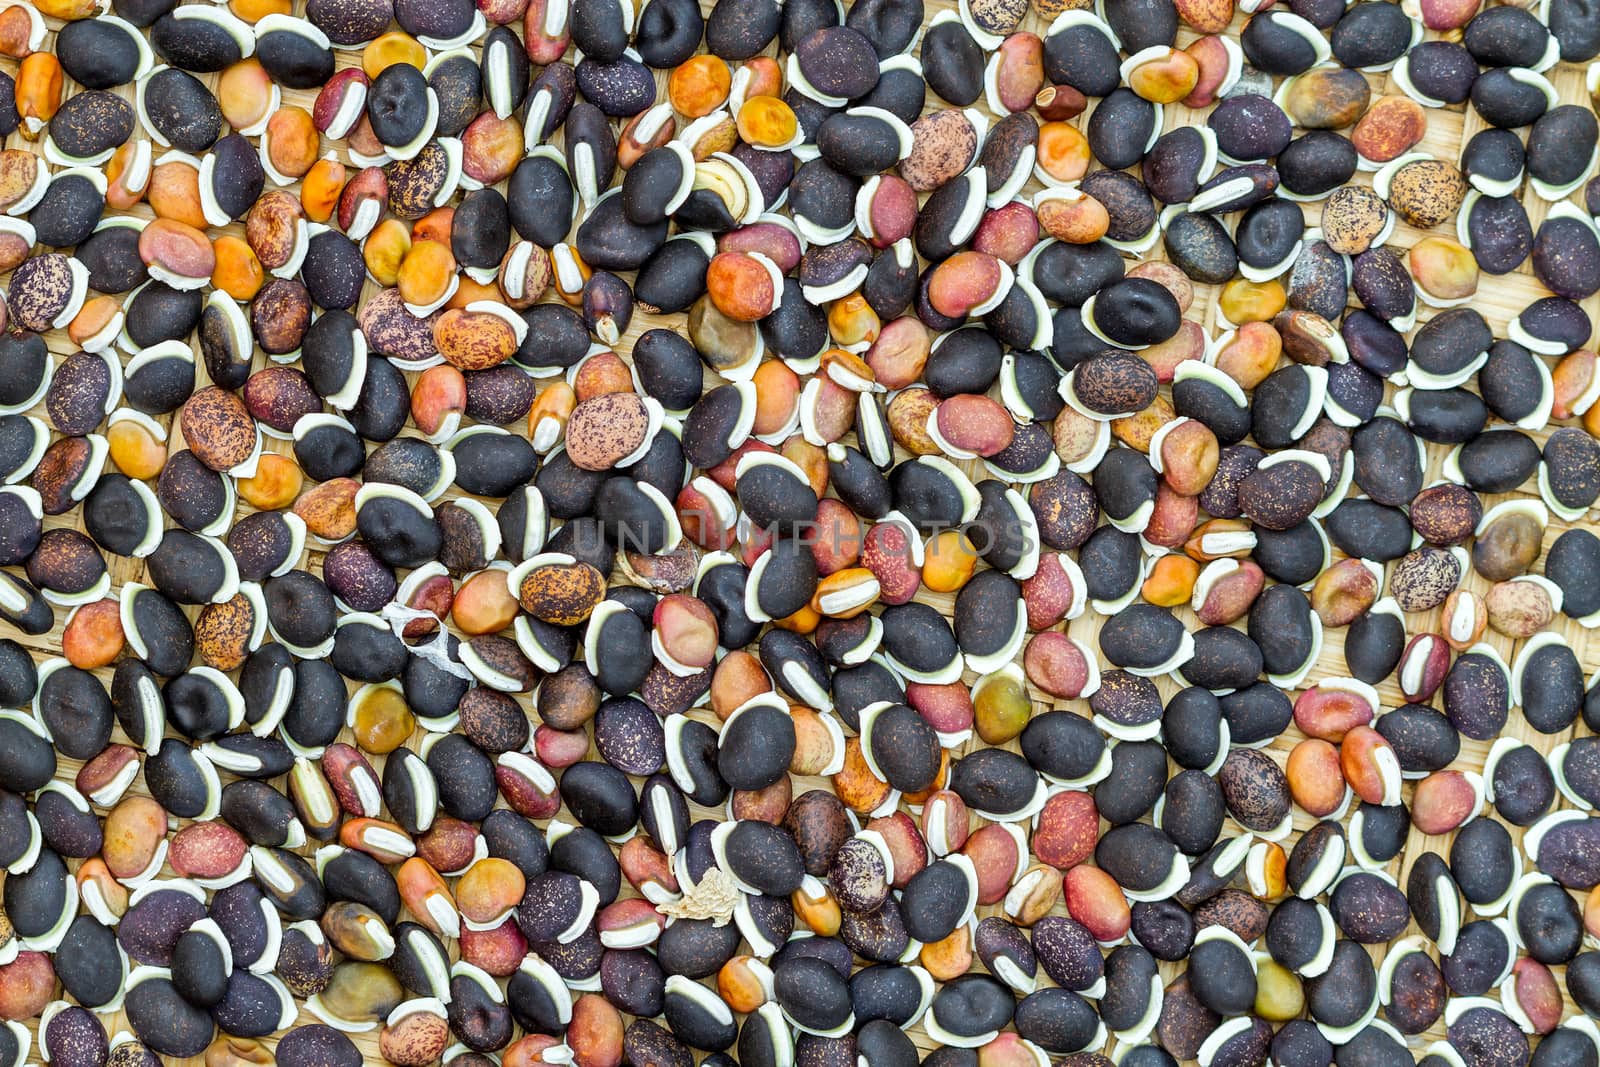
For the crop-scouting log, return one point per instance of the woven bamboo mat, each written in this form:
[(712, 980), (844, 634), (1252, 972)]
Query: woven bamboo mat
[(1500, 299)]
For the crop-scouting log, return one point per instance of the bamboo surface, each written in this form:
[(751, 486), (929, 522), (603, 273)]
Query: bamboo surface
[(1499, 299)]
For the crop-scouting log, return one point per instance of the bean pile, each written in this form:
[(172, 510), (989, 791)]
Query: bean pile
[(563, 565)]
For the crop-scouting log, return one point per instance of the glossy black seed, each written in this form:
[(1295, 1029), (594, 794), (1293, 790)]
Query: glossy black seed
[(1126, 200), (97, 53), (1191, 728), (1121, 129), (1342, 994), (1277, 46), (1442, 70), (1500, 235), (1565, 1045), (1571, 565), (1141, 24), (1224, 659), (668, 35), (1141, 636), (1368, 908), (1367, 530), (1164, 927), (1256, 712), (1523, 786), (1200, 246), (1084, 57), (1583, 980), (1371, 35), (1139, 856), (1498, 461), (1423, 739), (1193, 811), (1480, 859), (1249, 128), (166, 1022), (1552, 688), (1548, 923), (1446, 416), (1492, 155), (183, 109), (1504, 98), (1070, 274), (600, 797), (1486, 1037)]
